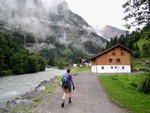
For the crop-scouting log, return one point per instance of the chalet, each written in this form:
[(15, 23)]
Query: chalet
[(113, 60)]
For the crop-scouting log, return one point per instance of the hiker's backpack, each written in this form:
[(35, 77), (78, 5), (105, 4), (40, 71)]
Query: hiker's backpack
[(65, 82)]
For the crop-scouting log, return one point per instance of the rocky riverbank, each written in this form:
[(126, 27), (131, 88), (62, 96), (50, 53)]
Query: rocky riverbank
[(30, 98)]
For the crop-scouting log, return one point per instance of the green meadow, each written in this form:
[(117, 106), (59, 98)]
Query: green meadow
[(125, 91)]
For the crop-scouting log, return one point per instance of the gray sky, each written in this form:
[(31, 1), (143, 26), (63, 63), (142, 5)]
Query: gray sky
[(99, 12)]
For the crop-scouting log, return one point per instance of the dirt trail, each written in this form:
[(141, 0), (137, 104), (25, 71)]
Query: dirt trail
[(88, 97)]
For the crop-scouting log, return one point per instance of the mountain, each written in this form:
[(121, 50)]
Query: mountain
[(109, 32), (50, 21)]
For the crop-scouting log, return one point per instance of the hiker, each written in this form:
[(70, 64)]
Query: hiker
[(66, 85)]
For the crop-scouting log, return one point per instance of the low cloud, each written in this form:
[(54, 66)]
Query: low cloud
[(29, 15)]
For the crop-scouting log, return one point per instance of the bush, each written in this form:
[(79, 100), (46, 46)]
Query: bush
[(62, 64), (18, 71), (146, 85), (41, 63), (7, 72), (33, 64)]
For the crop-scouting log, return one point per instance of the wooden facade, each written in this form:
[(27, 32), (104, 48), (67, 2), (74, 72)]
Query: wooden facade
[(113, 60)]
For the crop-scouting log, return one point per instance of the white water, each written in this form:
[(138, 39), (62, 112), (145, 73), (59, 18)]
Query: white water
[(13, 86)]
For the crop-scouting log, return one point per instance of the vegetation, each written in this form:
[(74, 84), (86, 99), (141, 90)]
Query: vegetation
[(40, 98), (20, 109), (77, 69), (14, 59), (134, 41), (64, 56), (50, 89), (138, 43), (137, 11), (37, 100), (139, 64), (126, 91)]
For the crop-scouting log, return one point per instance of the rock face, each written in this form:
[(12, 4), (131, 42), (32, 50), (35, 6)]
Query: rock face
[(109, 32), (50, 20)]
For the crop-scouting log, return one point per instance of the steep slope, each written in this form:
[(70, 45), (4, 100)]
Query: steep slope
[(50, 21), (110, 32)]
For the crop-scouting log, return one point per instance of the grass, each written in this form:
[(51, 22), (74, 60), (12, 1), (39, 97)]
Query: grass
[(77, 69), (124, 91), (52, 87), (139, 64), (20, 109), (37, 99)]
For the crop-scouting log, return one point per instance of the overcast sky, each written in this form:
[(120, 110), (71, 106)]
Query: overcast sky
[(99, 12)]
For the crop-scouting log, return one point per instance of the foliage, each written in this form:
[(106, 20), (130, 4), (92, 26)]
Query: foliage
[(63, 56), (137, 42), (7, 72), (61, 63), (77, 69), (14, 59), (146, 85), (139, 64), (124, 91), (137, 12), (50, 88), (146, 49), (145, 32), (37, 99)]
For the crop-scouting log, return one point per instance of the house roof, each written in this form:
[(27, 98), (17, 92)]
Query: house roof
[(118, 45)]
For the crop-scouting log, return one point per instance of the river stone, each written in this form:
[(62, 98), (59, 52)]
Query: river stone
[(3, 110), (25, 102), (40, 88), (44, 83)]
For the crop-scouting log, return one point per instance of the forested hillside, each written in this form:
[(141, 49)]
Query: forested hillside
[(14, 59), (137, 41)]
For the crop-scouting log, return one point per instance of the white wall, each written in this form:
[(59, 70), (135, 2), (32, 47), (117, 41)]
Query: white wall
[(111, 69)]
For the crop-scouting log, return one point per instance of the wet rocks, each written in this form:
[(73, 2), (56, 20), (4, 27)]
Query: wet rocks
[(26, 99), (24, 102)]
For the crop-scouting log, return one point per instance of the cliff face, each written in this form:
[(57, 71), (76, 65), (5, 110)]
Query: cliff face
[(51, 23), (109, 32)]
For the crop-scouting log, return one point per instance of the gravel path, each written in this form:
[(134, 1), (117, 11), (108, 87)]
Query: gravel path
[(88, 97)]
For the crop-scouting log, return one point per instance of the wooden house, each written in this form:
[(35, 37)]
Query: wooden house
[(113, 60)]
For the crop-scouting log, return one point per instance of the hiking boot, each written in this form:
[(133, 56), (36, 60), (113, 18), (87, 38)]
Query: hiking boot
[(62, 105)]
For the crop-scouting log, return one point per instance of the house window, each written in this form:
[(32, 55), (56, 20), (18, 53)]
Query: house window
[(111, 67), (122, 53), (123, 67), (115, 67), (113, 53), (118, 60), (110, 60), (102, 67)]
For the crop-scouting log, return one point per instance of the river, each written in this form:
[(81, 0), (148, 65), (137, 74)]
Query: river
[(13, 86)]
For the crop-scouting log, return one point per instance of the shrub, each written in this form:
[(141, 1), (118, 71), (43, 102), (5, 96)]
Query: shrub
[(18, 71), (146, 85), (7, 72)]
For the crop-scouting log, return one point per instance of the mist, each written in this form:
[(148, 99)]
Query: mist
[(31, 16)]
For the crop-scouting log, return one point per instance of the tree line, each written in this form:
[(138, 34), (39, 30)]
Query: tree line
[(131, 41), (15, 59)]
